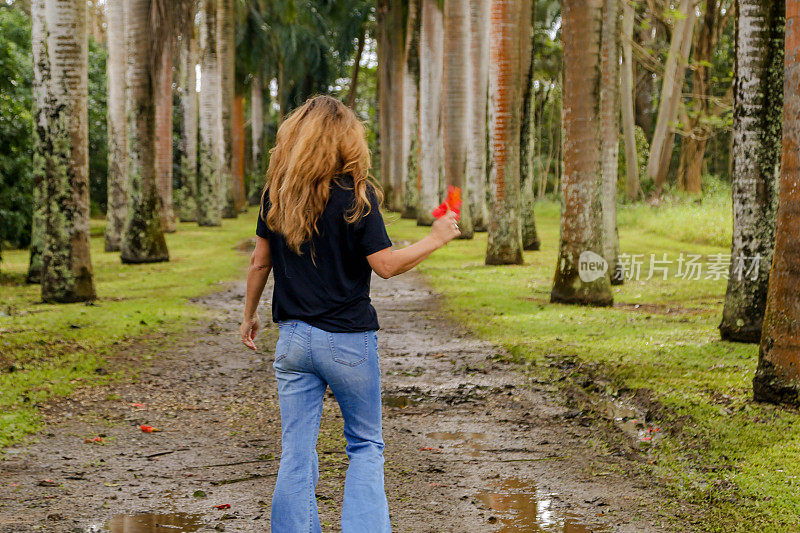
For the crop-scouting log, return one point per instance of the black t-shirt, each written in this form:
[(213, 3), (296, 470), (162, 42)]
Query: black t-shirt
[(330, 291)]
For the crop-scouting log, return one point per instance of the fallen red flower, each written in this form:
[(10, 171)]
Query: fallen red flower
[(451, 203), (223, 506), (140, 405), (148, 429)]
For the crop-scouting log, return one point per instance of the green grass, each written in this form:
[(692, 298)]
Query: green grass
[(735, 459), (48, 350)]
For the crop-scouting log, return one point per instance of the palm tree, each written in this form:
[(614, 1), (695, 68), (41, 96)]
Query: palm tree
[(210, 152), (226, 47), (256, 116), (508, 38), (581, 225), (117, 128), (61, 49), (456, 109), (530, 237), (147, 39), (411, 146), (633, 188), (777, 378), (758, 103), (609, 136), (163, 144), (431, 59), (41, 74), (479, 83), (187, 193)]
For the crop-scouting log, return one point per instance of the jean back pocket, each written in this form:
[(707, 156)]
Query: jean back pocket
[(285, 334), (349, 349)]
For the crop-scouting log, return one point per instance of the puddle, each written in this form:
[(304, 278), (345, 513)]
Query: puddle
[(631, 421), (398, 401), (522, 507), (154, 523), (468, 440)]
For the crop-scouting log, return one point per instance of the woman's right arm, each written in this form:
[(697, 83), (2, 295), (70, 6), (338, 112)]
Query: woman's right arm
[(257, 275), (388, 262)]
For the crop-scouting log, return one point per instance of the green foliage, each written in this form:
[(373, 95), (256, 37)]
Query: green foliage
[(98, 129), (49, 350), (16, 128)]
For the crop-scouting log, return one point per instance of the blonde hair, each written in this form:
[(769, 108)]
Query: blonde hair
[(320, 140)]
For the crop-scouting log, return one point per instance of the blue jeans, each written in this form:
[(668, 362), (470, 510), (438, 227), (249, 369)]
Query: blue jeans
[(307, 361)]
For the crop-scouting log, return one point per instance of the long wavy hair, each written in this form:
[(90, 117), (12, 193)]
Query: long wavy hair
[(318, 141)]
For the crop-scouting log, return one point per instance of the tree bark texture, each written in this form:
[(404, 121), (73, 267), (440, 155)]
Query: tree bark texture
[(633, 187), (187, 206), (117, 207), (581, 220), (530, 237), (143, 240), (411, 144), (757, 121), (63, 149), (479, 86), (164, 140), (41, 73), (777, 378), (256, 117), (231, 193), (209, 211), (508, 41), (431, 52)]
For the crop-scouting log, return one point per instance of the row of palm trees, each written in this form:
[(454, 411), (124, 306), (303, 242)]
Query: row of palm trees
[(448, 98), (141, 37)]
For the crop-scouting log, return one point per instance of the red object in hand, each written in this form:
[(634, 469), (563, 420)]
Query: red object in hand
[(148, 429), (451, 203)]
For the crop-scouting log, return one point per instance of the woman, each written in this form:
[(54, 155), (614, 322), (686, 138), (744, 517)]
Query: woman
[(321, 231)]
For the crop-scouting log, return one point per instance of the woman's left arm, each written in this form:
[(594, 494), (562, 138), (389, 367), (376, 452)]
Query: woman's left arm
[(257, 275)]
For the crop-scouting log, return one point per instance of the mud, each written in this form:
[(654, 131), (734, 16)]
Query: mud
[(472, 443)]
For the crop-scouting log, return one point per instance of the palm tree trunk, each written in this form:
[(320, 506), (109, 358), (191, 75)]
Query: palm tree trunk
[(758, 102), (411, 144), (581, 246), (117, 128), (384, 93), (457, 105), (777, 378), (63, 146), (633, 188), (256, 117), (226, 42), (350, 100), (237, 162), (143, 239), (663, 137), (163, 143), (431, 54), (609, 134), (508, 40), (397, 65), (208, 178), (41, 73), (479, 85), (187, 207), (530, 237)]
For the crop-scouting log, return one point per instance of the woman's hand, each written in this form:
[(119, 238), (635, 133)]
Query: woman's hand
[(445, 229), (249, 330)]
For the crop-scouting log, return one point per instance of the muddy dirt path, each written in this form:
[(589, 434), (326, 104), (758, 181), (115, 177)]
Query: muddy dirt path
[(472, 445)]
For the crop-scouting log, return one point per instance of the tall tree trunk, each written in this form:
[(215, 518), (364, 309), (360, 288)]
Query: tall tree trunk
[(210, 165), (431, 54), (353, 90), (187, 208), (411, 144), (63, 149), (117, 128), (530, 237), (758, 101), (382, 16), (237, 162), (609, 135), (397, 65), (508, 40), (256, 117), (163, 145), (41, 79), (680, 45), (143, 238), (479, 85), (633, 187), (230, 191), (693, 145), (777, 378), (457, 106), (578, 279)]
